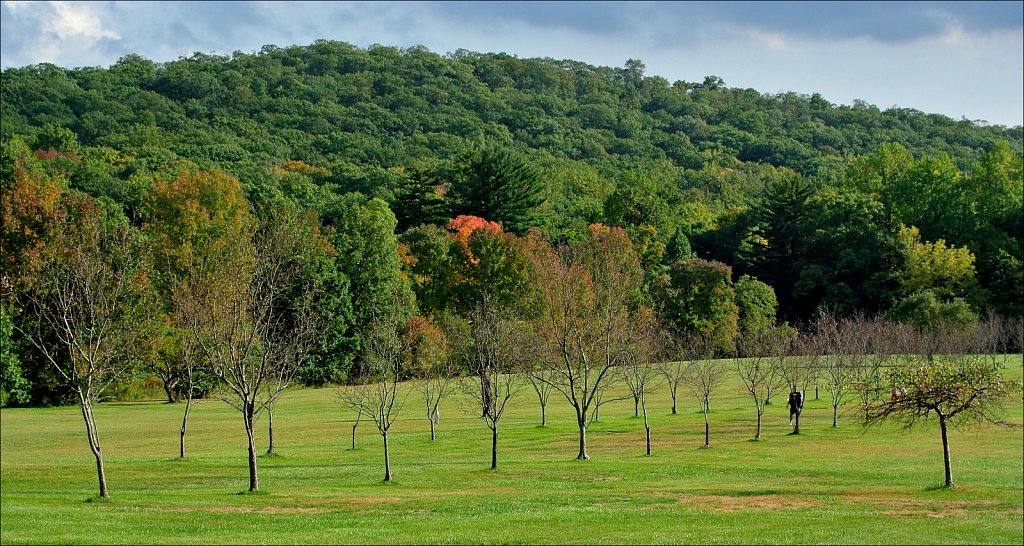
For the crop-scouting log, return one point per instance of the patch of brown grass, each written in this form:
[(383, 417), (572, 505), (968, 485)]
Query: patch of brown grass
[(724, 503)]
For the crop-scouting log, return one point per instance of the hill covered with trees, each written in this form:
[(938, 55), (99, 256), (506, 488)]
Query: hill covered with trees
[(783, 202)]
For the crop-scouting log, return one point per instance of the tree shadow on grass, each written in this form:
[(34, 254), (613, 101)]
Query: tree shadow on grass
[(942, 487), (260, 493)]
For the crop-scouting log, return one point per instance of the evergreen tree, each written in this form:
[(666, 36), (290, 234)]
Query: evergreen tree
[(497, 185)]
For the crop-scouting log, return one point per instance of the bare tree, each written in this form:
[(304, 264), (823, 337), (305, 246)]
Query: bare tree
[(87, 287), (866, 339), (986, 336), (434, 366), (638, 372), (704, 375), (588, 303), (759, 372), (288, 351), (673, 370), (179, 359), (1014, 337), (167, 366), (252, 317), (834, 359), (957, 393), (352, 396), (541, 378), (377, 396), (496, 361)]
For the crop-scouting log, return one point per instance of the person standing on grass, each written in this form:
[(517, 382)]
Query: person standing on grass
[(796, 403)]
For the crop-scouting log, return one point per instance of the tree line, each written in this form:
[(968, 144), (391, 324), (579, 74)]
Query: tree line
[(259, 298)]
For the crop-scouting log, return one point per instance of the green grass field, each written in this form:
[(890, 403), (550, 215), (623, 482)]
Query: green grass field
[(844, 485)]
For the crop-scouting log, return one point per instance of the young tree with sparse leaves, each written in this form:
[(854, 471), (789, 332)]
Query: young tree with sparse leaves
[(87, 285), (957, 393), (376, 394), (704, 375), (638, 372), (433, 363), (759, 372), (253, 316), (590, 294), (496, 360)]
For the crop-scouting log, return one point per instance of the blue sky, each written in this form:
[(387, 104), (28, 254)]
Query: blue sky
[(961, 59)]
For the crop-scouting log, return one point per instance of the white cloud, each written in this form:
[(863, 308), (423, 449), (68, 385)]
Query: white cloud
[(63, 32), (774, 40), (74, 21)]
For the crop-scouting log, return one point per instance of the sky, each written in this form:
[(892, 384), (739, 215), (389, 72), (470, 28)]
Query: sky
[(960, 59)]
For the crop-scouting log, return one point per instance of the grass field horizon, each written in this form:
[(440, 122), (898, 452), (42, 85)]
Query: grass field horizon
[(844, 485)]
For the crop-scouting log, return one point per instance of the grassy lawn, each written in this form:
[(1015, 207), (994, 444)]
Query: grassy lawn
[(844, 485)]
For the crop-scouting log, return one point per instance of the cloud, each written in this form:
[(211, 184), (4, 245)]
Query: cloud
[(680, 23), (774, 40), (60, 30)]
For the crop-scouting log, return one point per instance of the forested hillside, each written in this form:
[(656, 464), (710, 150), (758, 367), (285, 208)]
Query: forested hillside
[(785, 202)]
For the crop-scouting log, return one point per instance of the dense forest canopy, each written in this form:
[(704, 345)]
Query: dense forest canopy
[(850, 208)]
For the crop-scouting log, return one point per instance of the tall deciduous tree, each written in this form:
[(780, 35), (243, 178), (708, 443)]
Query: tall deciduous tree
[(697, 298), (757, 307), (363, 234), (190, 218)]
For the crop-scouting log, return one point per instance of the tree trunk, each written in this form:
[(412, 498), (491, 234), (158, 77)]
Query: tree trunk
[(485, 390), (647, 430), (431, 419), (707, 424), (636, 407), (815, 391), (184, 425), (387, 458), (494, 447), (583, 442), (250, 430), (94, 442), (355, 424), (169, 390), (835, 416), (544, 414), (757, 435), (270, 430), (673, 391), (945, 450)]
